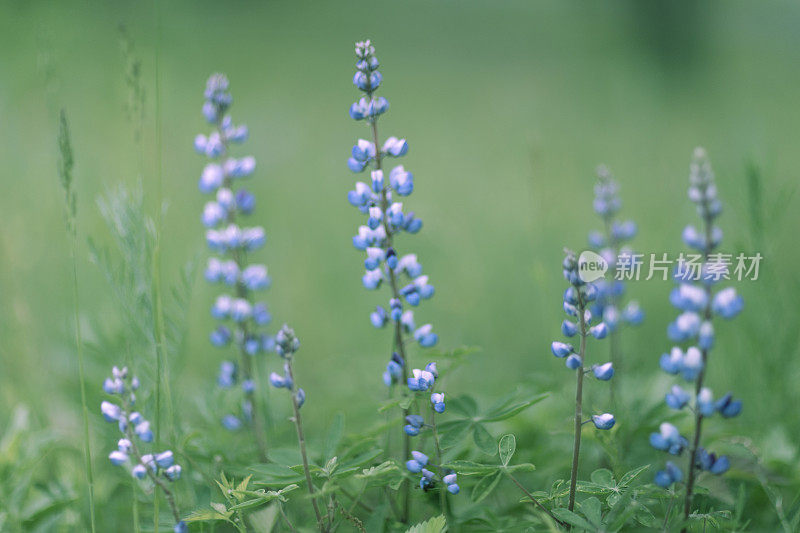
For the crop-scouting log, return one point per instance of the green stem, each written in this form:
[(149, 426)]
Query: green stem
[(298, 423), (576, 449), (698, 424), (87, 445), (162, 372), (442, 488), (535, 502)]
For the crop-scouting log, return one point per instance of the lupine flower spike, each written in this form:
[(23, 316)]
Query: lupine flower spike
[(286, 344), (697, 300), (379, 198), (423, 382), (241, 315), (577, 299), (610, 244), (154, 468)]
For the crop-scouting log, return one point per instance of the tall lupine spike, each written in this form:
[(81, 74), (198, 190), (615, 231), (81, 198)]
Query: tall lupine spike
[(158, 467), (242, 316), (695, 297), (610, 305), (577, 299), (378, 198), (286, 344)]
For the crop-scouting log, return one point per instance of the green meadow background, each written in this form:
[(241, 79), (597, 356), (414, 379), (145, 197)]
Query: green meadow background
[(507, 107)]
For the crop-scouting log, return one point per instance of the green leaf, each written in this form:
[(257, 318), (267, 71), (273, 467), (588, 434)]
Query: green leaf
[(507, 447), (503, 412), (334, 436), (484, 440), (434, 525), (471, 468), (603, 477), (629, 477), (274, 474), (485, 486), (521, 467), (465, 405), (565, 515), (453, 432), (263, 520), (205, 515), (645, 517), (591, 509), (386, 473)]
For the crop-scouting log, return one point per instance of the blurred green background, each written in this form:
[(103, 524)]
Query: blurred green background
[(507, 107)]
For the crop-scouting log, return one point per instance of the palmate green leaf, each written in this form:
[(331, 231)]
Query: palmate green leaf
[(386, 473), (645, 517), (263, 520), (465, 405), (485, 486), (588, 487), (453, 432), (592, 510), (573, 519), (630, 476), (603, 477), (483, 440), (621, 512), (258, 498), (504, 412), (507, 447), (434, 525)]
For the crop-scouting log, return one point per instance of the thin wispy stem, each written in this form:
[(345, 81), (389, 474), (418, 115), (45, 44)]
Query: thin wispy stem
[(65, 165)]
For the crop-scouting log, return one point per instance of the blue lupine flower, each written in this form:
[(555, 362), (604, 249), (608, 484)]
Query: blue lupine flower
[(437, 399), (422, 380), (672, 474), (561, 349), (600, 331), (677, 398), (414, 425), (165, 459), (727, 303), (231, 422), (728, 407), (668, 439), (227, 238), (118, 458), (705, 402), (604, 421), (603, 372), (139, 471), (694, 296), (705, 336), (574, 361)]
